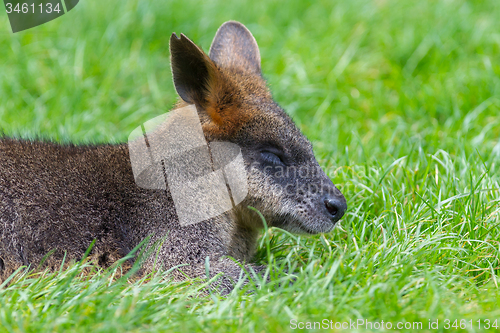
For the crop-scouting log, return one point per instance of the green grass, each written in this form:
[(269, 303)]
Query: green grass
[(401, 100)]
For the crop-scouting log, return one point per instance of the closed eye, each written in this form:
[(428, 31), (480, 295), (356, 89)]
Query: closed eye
[(272, 158)]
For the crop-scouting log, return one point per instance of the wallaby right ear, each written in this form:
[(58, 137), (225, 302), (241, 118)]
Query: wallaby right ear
[(192, 70), (235, 47)]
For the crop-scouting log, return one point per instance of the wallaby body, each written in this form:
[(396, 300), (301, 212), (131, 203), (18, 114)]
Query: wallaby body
[(64, 196)]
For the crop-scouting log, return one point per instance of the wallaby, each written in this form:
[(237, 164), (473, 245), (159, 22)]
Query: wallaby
[(63, 197)]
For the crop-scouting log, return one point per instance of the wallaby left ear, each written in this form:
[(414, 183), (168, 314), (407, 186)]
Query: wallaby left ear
[(235, 47), (198, 81), (192, 70)]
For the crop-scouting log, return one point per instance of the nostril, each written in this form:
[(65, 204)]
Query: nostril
[(331, 206), (335, 208)]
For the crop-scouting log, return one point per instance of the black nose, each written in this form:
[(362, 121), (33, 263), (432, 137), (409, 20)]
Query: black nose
[(336, 207)]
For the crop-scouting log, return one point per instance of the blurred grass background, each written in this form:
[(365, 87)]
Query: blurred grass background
[(401, 102)]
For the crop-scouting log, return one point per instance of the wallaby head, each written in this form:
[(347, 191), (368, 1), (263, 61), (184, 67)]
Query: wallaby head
[(285, 181)]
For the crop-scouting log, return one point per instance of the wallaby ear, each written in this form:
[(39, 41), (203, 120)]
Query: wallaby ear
[(198, 81), (192, 70), (234, 46)]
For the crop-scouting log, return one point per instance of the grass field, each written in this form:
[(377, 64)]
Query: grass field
[(401, 100)]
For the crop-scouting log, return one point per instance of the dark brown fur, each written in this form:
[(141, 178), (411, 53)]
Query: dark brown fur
[(64, 196)]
